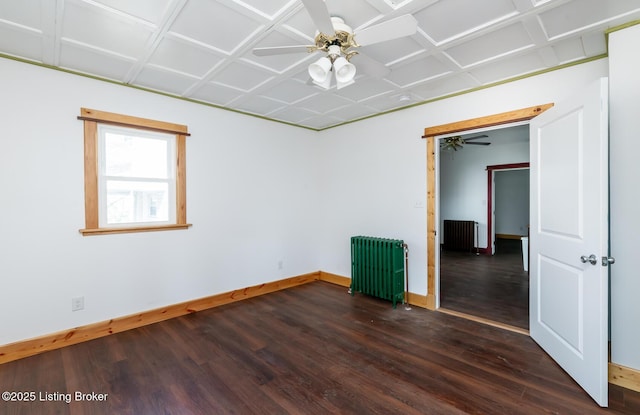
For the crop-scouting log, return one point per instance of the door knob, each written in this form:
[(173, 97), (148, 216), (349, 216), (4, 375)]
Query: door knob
[(608, 260), (592, 259)]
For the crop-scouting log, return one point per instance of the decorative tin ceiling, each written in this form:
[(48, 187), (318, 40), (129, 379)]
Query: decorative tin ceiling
[(202, 49)]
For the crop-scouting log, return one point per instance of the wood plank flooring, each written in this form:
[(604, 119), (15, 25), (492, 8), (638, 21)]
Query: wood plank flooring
[(492, 287), (312, 349)]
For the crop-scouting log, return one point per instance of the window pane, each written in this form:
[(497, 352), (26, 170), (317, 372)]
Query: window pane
[(129, 202), (134, 156)]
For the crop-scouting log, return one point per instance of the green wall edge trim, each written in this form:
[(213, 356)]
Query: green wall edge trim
[(479, 88), (194, 101), (620, 27), (262, 117), (153, 91)]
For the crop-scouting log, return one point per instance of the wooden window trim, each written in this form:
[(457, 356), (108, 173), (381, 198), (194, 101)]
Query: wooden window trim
[(91, 118)]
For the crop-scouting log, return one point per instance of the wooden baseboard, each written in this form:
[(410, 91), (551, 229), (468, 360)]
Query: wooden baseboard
[(30, 347), (413, 299), (485, 321), (508, 236), (419, 300), (618, 375), (431, 301), (335, 279), (624, 376)]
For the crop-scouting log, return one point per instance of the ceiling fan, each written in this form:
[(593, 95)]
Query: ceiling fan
[(456, 142), (339, 42)]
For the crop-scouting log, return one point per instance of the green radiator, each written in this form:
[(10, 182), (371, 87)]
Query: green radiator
[(377, 267)]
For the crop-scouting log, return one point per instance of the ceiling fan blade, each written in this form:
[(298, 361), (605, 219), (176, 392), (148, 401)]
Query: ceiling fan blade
[(280, 50), (370, 66), (319, 13), (405, 25), (477, 144), (475, 137)]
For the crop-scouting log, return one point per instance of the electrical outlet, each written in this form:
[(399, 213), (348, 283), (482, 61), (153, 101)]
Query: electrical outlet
[(280, 264), (77, 303)]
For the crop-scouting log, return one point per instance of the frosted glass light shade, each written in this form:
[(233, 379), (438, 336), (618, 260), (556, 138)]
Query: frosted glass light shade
[(320, 70), (345, 71)]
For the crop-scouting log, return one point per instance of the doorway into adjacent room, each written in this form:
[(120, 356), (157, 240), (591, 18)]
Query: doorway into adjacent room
[(487, 184)]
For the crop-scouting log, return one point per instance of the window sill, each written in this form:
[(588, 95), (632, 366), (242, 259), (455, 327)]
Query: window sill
[(133, 229)]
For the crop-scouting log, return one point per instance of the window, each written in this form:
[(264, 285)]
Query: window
[(134, 174)]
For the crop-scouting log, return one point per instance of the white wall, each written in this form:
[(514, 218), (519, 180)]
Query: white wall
[(463, 176), (258, 192), (373, 183), (251, 191), (624, 98), (374, 171)]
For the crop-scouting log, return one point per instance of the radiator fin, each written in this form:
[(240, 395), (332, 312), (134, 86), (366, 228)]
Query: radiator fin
[(377, 267), (459, 235)]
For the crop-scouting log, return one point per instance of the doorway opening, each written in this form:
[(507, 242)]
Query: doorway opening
[(431, 134), (508, 205), (490, 280)]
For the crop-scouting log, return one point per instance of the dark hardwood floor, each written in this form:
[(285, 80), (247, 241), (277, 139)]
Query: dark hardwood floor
[(492, 287), (312, 349)]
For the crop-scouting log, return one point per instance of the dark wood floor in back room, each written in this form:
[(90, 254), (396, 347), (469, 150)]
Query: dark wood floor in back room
[(491, 287), (312, 349)]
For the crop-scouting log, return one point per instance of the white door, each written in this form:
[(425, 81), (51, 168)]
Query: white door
[(569, 236)]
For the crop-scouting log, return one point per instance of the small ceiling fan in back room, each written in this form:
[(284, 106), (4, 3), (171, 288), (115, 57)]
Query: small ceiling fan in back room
[(339, 42), (456, 142)]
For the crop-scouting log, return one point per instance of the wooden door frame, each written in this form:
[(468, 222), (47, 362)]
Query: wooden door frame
[(430, 134)]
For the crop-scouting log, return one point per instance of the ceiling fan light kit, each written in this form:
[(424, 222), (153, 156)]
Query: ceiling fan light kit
[(456, 142), (452, 143), (338, 41), (320, 70)]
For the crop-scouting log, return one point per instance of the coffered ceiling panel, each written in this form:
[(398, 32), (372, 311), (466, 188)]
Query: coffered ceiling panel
[(293, 115), (291, 91), (202, 50), (92, 61), (365, 89), (216, 94), (320, 122), (323, 103), (569, 50), (242, 76), (394, 51), (215, 24), (448, 84), (27, 14), (420, 70), (382, 103), (105, 29), (260, 105), (184, 56), (447, 20), (268, 8), (492, 45), (164, 80), (19, 41), (152, 12), (510, 68), (579, 15)]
